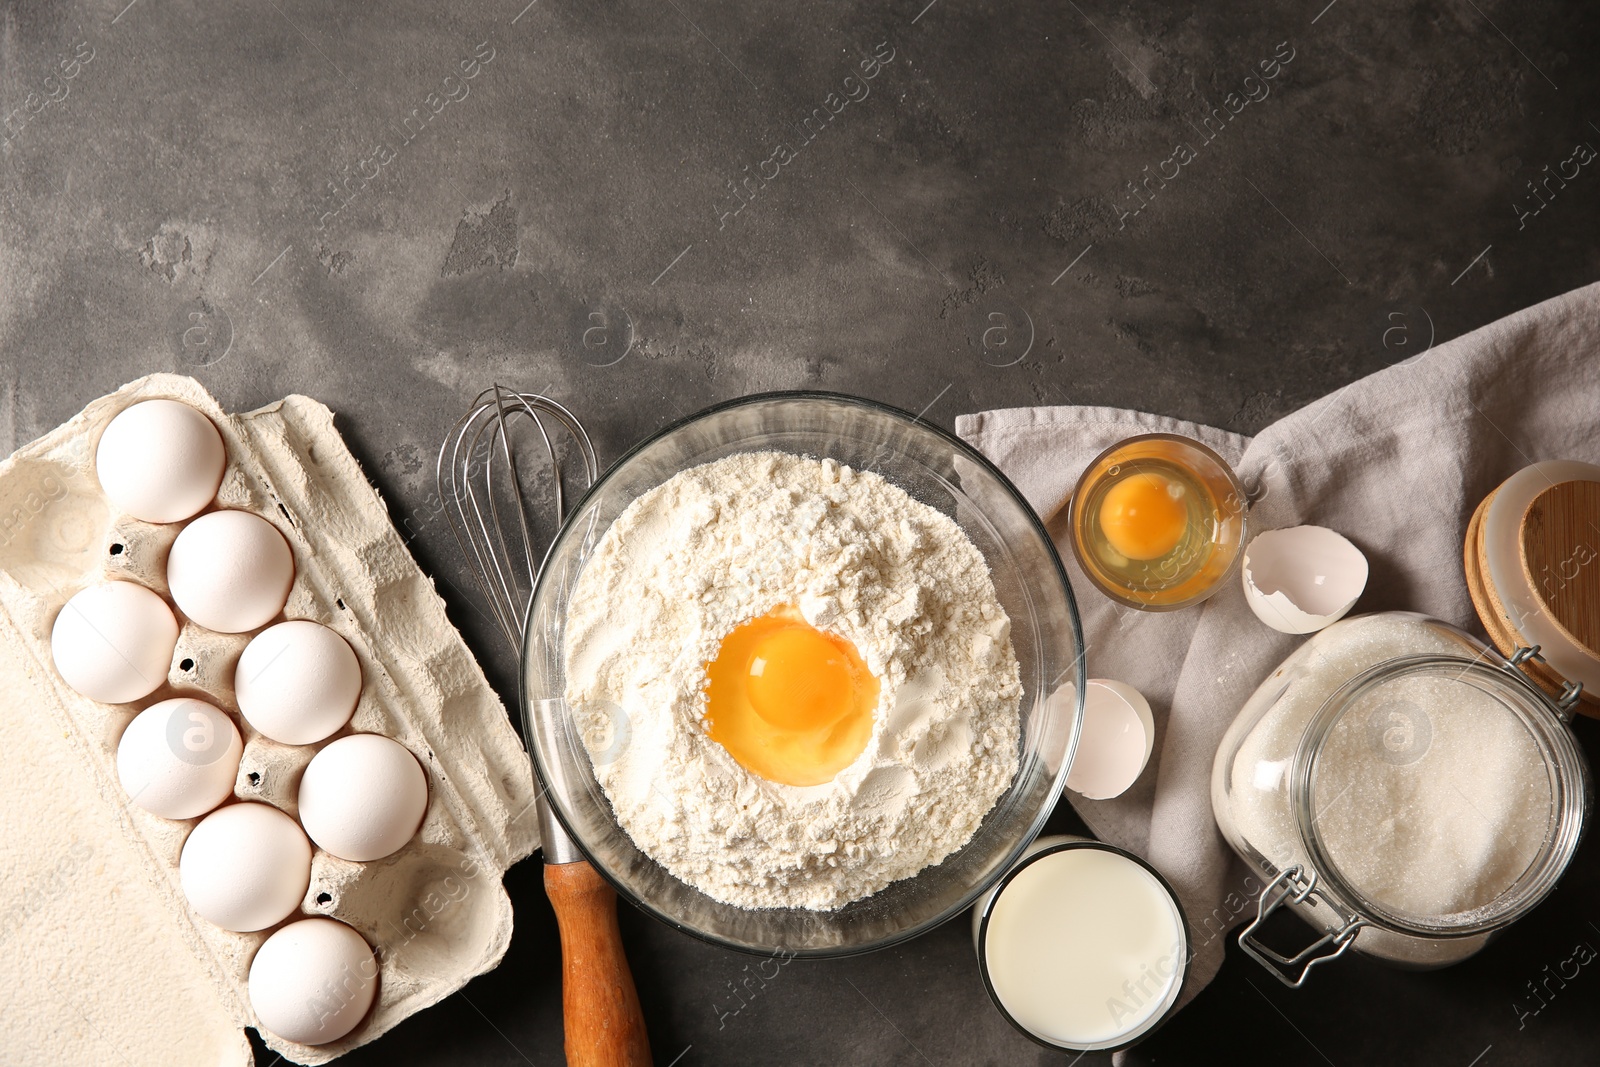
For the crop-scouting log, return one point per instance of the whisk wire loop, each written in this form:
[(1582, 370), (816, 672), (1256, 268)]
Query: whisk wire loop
[(478, 481)]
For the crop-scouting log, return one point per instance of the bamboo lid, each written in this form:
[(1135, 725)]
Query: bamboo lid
[(1560, 535), (1559, 551)]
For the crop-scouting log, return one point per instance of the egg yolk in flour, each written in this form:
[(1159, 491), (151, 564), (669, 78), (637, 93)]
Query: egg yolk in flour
[(789, 702), (1143, 516)]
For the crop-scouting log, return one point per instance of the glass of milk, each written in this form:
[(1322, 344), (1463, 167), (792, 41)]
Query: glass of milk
[(1082, 946)]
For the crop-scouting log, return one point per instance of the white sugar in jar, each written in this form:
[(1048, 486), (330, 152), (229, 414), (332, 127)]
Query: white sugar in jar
[(1402, 787)]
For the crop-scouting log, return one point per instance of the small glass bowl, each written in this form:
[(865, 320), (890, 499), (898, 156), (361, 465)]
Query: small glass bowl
[(1190, 574)]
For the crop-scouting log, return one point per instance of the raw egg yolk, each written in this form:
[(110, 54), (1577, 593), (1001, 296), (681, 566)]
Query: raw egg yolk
[(789, 702), (1143, 516)]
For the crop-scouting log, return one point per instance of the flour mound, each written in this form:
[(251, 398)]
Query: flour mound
[(731, 540)]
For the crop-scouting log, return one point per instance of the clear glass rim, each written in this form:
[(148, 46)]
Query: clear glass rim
[(1011, 874), (1118, 593), (1058, 780), (1570, 794)]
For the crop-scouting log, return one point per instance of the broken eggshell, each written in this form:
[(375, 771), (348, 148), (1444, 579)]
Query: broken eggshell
[(1116, 740), (1301, 579)]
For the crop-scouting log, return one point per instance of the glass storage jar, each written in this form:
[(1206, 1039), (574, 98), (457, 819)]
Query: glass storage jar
[(1404, 788)]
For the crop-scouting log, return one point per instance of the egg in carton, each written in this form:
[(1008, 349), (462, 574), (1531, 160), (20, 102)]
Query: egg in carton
[(126, 961)]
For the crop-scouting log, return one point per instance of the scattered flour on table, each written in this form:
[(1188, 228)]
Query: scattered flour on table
[(730, 540)]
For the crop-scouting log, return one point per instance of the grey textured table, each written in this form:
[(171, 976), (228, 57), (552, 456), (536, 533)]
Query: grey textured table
[(1217, 211)]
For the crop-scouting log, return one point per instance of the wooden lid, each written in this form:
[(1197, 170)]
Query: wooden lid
[(1560, 546), (1560, 553)]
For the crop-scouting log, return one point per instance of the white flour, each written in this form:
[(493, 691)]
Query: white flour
[(731, 540)]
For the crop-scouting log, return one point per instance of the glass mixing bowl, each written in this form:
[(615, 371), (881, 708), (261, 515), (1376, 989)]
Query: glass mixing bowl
[(934, 468)]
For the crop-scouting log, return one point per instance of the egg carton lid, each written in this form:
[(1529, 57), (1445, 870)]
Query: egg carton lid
[(97, 958)]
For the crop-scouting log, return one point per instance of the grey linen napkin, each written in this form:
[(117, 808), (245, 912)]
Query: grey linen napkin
[(1396, 462)]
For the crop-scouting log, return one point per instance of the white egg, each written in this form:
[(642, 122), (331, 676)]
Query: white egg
[(230, 571), (313, 981), (245, 867), (179, 758), (1115, 742), (297, 682), (363, 797), (1302, 579), (113, 642), (160, 461)]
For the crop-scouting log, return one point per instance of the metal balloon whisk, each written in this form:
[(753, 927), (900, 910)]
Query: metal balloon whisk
[(479, 483), (481, 489)]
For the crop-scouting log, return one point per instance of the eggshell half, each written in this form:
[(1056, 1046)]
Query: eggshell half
[(297, 682), (1303, 578), (1115, 742), (313, 981), (230, 571), (363, 797), (178, 759), (160, 460), (245, 867), (113, 642)]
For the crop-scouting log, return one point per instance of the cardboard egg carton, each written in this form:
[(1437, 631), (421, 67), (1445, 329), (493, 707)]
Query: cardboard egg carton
[(435, 911)]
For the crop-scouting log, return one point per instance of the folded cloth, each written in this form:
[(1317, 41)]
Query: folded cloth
[(1396, 462)]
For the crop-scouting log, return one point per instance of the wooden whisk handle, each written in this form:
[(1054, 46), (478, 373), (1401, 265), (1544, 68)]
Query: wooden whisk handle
[(604, 1025)]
